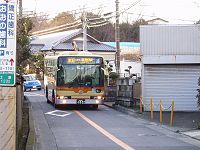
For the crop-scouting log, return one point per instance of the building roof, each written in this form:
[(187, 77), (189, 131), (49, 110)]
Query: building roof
[(124, 44), (61, 41), (157, 21)]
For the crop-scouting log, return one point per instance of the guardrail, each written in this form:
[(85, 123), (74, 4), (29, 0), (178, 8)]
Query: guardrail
[(151, 107)]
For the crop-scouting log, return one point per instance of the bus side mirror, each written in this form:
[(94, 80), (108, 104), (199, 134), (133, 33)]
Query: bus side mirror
[(60, 67)]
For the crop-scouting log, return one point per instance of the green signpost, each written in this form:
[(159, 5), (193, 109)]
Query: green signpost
[(7, 78)]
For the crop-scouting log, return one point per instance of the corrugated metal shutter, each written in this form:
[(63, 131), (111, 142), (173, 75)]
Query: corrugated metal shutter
[(171, 82), (170, 39)]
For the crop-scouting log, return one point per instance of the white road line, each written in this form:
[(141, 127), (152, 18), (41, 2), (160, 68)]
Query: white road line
[(58, 113)]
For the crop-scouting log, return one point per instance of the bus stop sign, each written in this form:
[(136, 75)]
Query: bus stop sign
[(7, 42)]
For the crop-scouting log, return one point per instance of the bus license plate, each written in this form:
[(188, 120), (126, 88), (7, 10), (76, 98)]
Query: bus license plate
[(80, 101)]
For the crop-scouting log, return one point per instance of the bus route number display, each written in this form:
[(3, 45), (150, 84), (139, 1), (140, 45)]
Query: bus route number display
[(82, 60)]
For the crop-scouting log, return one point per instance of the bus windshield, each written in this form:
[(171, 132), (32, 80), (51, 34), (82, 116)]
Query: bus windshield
[(78, 75)]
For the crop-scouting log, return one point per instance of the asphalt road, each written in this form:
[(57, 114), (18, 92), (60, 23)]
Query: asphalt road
[(82, 128)]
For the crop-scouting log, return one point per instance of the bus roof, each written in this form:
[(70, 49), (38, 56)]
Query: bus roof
[(71, 53)]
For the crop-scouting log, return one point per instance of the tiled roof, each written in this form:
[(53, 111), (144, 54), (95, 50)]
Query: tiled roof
[(54, 37), (63, 40), (90, 46)]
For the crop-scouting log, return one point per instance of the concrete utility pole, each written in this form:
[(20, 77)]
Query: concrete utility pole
[(20, 9), (117, 38), (84, 26)]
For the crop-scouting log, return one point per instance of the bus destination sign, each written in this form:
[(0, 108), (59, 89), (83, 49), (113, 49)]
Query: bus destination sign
[(83, 60)]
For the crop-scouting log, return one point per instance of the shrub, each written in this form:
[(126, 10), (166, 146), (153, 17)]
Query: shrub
[(198, 95)]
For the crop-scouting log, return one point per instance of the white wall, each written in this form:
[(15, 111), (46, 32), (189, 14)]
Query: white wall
[(136, 67)]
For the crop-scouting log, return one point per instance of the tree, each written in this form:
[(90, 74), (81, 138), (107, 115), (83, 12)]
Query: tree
[(42, 22), (126, 32), (198, 22), (102, 33), (24, 25), (136, 29), (36, 63), (62, 18)]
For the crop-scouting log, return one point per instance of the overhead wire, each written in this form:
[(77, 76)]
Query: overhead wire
[(98, 25), (77, 22), (165, 17), (90, 25), (61, 29)]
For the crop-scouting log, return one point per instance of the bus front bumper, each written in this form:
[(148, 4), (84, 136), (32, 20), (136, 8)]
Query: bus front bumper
[(79, 101)]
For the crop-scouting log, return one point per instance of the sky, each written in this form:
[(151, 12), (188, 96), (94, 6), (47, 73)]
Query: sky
[(174, 11)]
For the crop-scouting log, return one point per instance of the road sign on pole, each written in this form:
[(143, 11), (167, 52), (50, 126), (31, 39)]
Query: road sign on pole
[(8, 22)]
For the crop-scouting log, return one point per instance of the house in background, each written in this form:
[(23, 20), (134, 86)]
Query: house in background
[(157, 21), (62, 41), (128, 53)]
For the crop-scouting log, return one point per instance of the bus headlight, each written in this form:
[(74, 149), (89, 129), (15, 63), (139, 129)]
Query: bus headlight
[(99, 97), (60, 97), (64, 101), (97, 101)]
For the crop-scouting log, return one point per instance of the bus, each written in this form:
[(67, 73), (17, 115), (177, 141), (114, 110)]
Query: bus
[(74, 77)]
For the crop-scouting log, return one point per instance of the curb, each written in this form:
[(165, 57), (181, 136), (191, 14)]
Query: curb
[(31, 141), (133, 113), (109, 105), (194, 137), (122, 109)]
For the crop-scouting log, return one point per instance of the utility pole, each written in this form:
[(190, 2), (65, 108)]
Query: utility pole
[(20, 9), (84, 26), (117, 38)]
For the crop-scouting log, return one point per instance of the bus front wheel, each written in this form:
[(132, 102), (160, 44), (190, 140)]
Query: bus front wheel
[(48, 101), (54, 99), (95, 106)]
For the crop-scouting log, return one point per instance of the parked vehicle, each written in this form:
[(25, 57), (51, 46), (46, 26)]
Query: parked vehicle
[(30, 82)]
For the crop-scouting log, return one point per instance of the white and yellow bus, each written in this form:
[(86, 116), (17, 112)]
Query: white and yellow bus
[(75, 77)]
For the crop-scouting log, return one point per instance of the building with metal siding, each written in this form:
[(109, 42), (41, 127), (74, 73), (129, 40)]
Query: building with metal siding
[(170, 40), (62, 41), (170, 65)]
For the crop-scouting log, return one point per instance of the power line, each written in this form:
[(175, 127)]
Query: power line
[(98, 25), (164, 17), (133, 4), (91, 24), (77, 22), (55, 30)]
